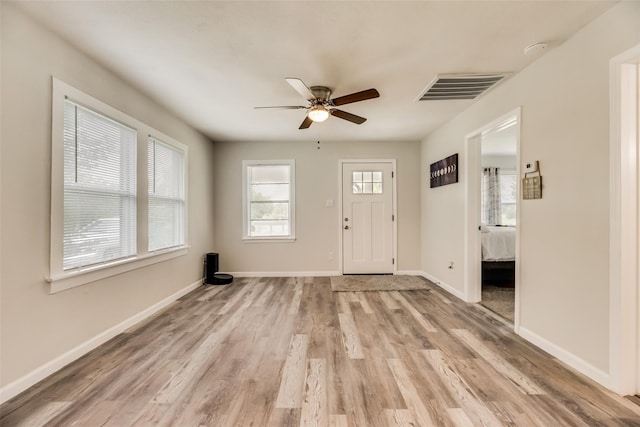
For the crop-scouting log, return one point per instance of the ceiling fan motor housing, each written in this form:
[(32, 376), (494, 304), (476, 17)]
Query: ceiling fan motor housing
[(322, 93)]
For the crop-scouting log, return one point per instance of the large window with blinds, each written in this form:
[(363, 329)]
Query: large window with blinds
[(166, 195), (118, 191), (269, 199), (99, 188)]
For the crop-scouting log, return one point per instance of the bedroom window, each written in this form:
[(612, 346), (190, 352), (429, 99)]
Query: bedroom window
[(99, 221), (269, 200), (166, 167), (499, 196), (508, 197)]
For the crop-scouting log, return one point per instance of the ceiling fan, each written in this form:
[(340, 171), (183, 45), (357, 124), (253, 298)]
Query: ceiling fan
[(320, 104)]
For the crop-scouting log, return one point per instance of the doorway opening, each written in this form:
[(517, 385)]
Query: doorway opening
[(498, 197), (492, 216)]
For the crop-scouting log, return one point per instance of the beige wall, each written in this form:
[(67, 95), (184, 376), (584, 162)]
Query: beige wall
[(36, 327), (317, 226), (564, 289)]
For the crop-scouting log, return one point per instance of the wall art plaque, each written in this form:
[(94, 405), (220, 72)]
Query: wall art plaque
[(444, 171)]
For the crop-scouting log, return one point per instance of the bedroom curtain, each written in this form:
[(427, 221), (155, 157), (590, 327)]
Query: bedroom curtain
[(491, 202)]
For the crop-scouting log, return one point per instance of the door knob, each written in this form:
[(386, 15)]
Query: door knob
[(346, 227)]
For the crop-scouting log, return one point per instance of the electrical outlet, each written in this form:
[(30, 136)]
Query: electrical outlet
[(329, 203), (330, 256)]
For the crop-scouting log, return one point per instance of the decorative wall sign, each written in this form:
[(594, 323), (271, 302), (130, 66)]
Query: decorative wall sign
[(444, 171)]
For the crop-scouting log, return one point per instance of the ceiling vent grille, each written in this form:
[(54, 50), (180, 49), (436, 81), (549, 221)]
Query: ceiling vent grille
[(459, 86)]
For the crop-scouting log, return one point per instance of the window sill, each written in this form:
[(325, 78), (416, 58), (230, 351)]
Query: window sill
[(269, 239), (70, 279)]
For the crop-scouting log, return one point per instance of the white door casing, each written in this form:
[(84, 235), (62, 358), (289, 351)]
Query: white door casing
[(624, 294), (473, 257), (367, 217)]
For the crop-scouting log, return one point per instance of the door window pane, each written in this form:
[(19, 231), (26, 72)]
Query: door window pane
[(367, 182)]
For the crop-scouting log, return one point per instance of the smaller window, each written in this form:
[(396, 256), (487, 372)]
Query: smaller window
[(268, 197), (367, 182)]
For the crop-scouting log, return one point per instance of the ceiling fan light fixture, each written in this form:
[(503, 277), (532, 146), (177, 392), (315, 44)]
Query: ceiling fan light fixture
[(318, 113)]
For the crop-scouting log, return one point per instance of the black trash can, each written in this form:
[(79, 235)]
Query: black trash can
[(211, 275)]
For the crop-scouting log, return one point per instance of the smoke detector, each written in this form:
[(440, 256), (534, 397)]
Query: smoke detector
[(536, 48)]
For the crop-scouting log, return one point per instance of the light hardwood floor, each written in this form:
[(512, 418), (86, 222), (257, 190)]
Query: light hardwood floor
[(290, 352)]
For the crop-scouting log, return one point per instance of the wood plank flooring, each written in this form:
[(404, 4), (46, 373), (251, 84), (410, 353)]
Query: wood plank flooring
[(290, 352)]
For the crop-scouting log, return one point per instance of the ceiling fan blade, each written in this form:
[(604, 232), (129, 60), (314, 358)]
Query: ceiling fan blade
[(306, 123), (348, 116), (301, 88), (356, 97), (283, 107)]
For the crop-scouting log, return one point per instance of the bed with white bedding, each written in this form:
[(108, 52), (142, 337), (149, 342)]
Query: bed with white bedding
[(498, 243), (498, 255)]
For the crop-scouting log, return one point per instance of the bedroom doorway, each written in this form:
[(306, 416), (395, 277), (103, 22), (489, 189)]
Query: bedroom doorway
[(492, 215)]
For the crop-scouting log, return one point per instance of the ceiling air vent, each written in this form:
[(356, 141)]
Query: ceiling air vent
[(459, 86)]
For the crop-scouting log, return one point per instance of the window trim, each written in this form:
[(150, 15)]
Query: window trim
[(58, 278), (246, 205)]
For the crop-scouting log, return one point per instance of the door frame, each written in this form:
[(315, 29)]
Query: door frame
[(472, 253), (624, 331), (394, 202)]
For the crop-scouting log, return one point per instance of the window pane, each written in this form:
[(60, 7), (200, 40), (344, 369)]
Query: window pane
[(266, 174), (269, 210), (269, 228), (509, 214), (165, 223), (367, 182), (270, 192), (508, 188)]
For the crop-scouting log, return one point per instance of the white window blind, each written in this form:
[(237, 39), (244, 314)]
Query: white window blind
[(99, 188), (166, 196)]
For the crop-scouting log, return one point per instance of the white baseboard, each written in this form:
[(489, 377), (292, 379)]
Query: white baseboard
[(284, 273), (443, 285), (307, 273), (410, 273), (567, 357), (21, 384)]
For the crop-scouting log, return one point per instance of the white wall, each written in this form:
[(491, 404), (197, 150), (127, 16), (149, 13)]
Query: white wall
[(38, 328), (317, 226), (564, 289)]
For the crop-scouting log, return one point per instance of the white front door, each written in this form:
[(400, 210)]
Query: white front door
[(367, 218)]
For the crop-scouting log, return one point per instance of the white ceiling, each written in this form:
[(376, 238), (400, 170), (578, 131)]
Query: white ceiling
[(211, 62), (500, 142)]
